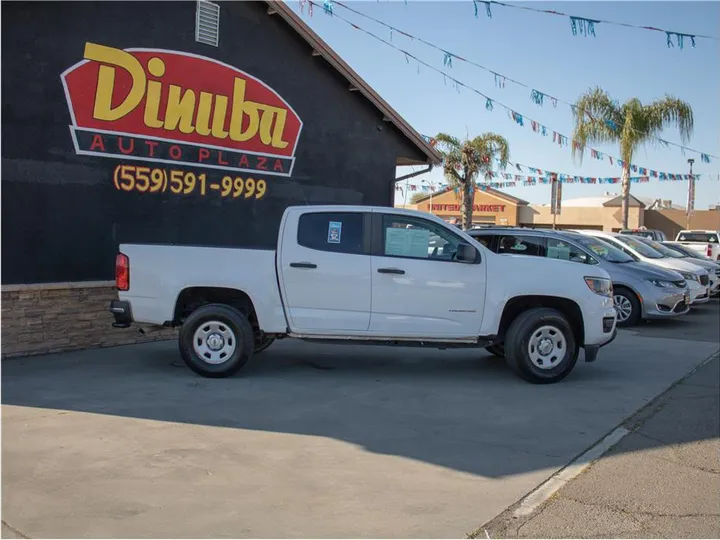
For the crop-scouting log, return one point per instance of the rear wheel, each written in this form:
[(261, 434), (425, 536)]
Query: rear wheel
[(627, 307), (216, 340), (540, 346)]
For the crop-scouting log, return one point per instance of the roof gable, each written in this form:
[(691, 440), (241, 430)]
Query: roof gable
[(355, 82), (617, 201)]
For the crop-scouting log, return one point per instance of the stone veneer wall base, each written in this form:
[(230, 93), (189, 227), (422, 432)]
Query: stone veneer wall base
[(57, 317)]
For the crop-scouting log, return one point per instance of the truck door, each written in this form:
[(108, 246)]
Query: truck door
[(324, 265), (418, 289)]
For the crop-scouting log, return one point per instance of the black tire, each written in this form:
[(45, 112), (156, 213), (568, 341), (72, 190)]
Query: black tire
[(264, 343), (497, 349), (234, 324), (518, 338), (634, 305)]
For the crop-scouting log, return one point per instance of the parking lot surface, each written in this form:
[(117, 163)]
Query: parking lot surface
[(311, 440)]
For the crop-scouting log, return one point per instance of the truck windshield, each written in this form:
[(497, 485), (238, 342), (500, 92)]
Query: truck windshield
[(639, 246), (709, 238), (602, 249)]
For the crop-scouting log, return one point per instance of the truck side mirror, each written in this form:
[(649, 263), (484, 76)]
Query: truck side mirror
[(466, 253)]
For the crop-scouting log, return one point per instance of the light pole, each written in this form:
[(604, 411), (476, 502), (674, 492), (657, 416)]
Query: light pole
[(691, 194)]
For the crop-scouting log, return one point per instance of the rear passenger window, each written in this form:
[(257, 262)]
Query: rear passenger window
[(521, 245), (338, 232)]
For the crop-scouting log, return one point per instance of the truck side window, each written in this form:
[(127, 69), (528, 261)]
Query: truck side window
[(338, 232), (417, 239), (521, 245)]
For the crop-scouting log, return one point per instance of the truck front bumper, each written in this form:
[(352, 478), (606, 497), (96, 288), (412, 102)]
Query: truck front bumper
[(609, 329), (122, 312)]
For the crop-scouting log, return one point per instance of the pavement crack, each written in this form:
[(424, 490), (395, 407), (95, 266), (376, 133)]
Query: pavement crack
[(631, 513), (13, 530), (679, 461)]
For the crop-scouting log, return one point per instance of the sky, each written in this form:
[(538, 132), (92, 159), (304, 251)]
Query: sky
[(541, 51)]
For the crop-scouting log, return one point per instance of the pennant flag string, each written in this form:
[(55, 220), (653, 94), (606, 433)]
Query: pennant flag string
[(585, 26), (536, 96), (538, 171)]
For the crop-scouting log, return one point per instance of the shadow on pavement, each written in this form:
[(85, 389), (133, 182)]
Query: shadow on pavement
[(459, 409)]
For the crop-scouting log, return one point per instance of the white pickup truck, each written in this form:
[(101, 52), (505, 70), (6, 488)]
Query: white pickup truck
[(704, 242), (366, 275)]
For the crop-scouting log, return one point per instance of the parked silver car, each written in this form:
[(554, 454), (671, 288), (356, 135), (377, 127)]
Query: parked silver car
[(641, 290)]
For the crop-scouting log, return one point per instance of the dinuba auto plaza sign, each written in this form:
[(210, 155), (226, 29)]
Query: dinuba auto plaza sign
[(179, 108), (476, 207)]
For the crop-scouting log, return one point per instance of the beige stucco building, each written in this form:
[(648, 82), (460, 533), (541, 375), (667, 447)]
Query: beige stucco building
[(602, 212)]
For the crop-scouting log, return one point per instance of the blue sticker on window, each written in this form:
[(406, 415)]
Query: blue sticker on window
[(334, 232)]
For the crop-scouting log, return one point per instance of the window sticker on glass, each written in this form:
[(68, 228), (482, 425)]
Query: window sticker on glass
[(559, 251), (334, 232), (407, 242), (601, 251)]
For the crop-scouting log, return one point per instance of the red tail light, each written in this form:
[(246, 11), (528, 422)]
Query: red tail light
[(122, 272), (708, 251)]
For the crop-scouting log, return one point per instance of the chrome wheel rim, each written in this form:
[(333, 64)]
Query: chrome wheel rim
[(214, 342), (623, 307), (547, 347)]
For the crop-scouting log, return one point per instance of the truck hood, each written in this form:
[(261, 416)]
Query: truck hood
[(539, 269)]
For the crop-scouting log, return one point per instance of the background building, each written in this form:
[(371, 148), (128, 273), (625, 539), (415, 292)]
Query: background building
[(603, 212), (129, 122)]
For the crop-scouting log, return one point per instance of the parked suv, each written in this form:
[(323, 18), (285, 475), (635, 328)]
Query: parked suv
[(641, 290)]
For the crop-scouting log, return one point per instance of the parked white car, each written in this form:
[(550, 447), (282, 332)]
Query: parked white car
[(365, 275), (697, 278)]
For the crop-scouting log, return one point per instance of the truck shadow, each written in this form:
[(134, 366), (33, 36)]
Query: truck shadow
[(464, 410)]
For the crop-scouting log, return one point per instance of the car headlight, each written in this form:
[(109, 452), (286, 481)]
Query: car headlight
[(662, 283), (600, 286), (690, 276)]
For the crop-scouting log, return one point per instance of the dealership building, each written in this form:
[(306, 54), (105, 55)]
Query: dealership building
[(603, 212), (168, 122)]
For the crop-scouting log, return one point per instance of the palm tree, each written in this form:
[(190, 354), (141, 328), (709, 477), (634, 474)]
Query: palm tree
[(599, 119), (464, 161)]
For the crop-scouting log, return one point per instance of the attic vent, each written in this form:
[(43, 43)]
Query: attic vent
[(207, 23)]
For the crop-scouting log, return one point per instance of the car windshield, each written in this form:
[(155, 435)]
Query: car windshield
[(657, 246), (638, 245), (604, 250), (678, 251), (710, 238)]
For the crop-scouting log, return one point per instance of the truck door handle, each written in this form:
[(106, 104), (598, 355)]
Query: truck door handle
[(303, 265), (390, 271)]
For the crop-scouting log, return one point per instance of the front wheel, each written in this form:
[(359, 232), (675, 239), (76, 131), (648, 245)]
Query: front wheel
[(627, 307), (216, 340), (497, 349), (540, 346)]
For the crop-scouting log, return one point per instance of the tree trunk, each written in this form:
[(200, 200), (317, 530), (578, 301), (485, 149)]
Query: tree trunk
[(467, 204), (625, 194)]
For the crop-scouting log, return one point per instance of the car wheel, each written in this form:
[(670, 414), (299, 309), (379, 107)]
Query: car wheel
[(497, 349), (263, 343), (216, 340), (627, 307), (540, 346)]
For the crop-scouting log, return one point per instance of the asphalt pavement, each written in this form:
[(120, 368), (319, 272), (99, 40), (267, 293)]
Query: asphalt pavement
[(660, 481), (311, 440)]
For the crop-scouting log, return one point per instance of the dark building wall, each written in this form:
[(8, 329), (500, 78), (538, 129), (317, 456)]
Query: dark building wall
[(62, 217)]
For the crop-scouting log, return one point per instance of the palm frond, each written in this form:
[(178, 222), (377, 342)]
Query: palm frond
[(670, 111), (598, 120)]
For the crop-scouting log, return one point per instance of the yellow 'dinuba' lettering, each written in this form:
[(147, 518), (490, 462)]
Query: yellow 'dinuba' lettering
[(239, 108), (267, 121), (151, 117), (152, 105), (202, 123), (180, 109), (102, 109)]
